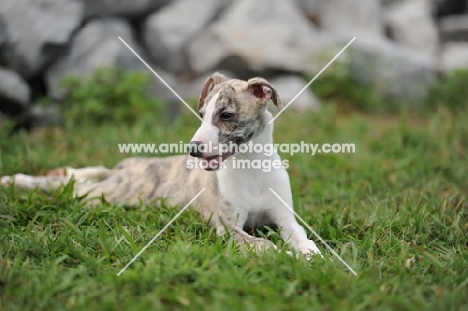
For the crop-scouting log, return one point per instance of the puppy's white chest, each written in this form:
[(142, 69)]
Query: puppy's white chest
[(245, 194)]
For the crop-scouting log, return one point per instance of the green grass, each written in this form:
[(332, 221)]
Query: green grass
[(396, 211)]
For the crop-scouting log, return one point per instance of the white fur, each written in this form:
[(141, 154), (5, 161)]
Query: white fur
[(207, 134), (248, 192)]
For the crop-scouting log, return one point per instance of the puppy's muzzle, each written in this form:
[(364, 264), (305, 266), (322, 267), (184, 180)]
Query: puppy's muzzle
[(196, 149)]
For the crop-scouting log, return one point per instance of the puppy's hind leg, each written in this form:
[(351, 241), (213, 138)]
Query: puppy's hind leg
[(55, 178), (26, 182), (81, 175)]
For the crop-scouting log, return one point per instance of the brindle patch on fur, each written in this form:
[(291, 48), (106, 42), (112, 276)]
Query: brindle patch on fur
[(247, 121)]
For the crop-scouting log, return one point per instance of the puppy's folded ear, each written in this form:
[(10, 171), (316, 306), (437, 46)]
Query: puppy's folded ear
[(263, 91), (212, 80)]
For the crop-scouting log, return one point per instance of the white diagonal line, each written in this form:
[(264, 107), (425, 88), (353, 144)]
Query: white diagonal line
[(316, 76), (312, 230), (160, 232), (159, 77)]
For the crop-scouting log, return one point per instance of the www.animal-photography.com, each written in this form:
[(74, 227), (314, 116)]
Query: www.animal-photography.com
[(234, 155)]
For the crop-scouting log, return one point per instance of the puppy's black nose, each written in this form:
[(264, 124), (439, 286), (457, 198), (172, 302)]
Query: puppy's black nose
[(196, 149)]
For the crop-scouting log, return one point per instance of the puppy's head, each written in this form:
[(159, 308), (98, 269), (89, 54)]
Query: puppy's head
[(233, 113)]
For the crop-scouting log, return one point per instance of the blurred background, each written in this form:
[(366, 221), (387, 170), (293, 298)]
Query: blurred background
[(63, 57)]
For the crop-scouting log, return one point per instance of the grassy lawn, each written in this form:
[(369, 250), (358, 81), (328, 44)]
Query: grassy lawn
[(396, 211)]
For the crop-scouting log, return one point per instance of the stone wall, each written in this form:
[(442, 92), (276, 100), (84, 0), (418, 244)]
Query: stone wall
[(402, 46)]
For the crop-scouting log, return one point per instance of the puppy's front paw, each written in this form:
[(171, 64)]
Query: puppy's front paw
[(309, 249)]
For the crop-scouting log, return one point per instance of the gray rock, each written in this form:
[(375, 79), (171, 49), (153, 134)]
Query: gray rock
[(126, 8), (453, 56), (168, 32), (392, 70), (5, 48), (36, 31), (289, 86), (39, 116), (352, 17), (388, 2), (309, 6), (412, 25), (255, 36), (14, 92), (96, 46), (454, 28), (450, 7)]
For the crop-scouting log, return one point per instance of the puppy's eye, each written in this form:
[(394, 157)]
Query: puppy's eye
[(227, 116), (201, 115)]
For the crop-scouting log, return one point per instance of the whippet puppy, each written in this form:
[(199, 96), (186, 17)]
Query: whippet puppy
[(234, 113)]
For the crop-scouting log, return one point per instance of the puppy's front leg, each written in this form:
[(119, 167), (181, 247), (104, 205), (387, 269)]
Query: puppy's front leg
[(290, 230), (233, 223), (295, 233), (245, 239)]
